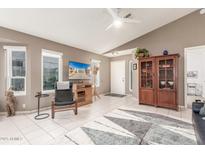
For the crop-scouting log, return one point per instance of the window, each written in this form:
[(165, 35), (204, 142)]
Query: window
[(130, 75), (16, 69), (51, 70), (96, 63)]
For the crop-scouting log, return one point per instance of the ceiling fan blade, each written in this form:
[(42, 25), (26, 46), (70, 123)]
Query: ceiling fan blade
[(128, 15), (127, 20), (112, 13), (108, 27)]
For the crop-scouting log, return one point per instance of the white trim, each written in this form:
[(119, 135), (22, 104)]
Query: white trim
[(48, 91), (98, 75), (27, 111), (130, 65), (195, 47), (49, 53), (185, 77), (9, 76), (182, 108), (120, 53), (15, 48), (186, 50)]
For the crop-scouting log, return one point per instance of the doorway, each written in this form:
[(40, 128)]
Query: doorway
[(118, 77), (194, 73)]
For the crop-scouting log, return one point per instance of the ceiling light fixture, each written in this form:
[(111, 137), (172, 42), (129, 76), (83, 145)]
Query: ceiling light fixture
[(117, 23), (114, 53)]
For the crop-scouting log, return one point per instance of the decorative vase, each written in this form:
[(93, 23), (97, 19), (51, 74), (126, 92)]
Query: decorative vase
[(165, 52)]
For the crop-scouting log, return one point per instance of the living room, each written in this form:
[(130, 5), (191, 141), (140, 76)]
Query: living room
[(103, 83)]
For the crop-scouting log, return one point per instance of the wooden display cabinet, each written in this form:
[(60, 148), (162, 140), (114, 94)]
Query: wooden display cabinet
[(158, 81), (147, 84), (167, 77)]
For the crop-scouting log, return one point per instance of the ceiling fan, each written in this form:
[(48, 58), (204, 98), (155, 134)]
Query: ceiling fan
[(118, 21)]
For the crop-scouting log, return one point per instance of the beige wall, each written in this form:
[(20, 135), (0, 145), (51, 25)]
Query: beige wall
[(185, 32), (34, 46), (188, 31)]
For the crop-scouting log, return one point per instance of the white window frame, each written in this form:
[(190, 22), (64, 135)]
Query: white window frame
[(55, 54), (8, 53), (93, 62), (130, 77)]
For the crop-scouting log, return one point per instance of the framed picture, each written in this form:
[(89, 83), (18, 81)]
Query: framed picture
[(191, 89), (192, 74), (134, 66)]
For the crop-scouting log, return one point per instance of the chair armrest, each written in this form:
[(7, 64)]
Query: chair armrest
[(74, 96), (76, 104)]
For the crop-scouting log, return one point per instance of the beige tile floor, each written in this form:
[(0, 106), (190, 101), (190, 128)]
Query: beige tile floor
[(24, 129)]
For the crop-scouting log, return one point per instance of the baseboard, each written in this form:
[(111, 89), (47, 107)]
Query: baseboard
[(181, 107), (48, 108), (27, 112)]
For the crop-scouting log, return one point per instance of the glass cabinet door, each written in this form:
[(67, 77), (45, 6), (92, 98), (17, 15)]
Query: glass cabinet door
[(166, 74), (146, 74)]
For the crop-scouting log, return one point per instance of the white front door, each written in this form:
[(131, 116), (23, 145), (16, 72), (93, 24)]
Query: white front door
[(118, 77)]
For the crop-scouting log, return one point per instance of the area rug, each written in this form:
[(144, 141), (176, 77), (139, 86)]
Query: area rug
[(115, 95), (130, 127)]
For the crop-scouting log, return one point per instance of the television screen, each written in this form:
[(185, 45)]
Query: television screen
[(79, 70)]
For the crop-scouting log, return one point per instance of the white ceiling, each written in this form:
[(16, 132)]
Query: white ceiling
[(85, 28)]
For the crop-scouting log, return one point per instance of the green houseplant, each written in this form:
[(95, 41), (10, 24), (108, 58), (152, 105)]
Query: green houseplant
[(141, 53)]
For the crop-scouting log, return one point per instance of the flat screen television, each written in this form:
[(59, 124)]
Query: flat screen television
[(80, 71)]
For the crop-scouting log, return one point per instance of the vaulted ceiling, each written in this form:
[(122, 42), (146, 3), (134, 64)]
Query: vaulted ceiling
[(85, 28)]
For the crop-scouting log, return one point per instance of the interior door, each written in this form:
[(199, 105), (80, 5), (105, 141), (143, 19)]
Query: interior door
[(118, 77)]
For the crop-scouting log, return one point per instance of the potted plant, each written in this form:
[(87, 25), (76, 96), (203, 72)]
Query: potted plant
[(141, 53)]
